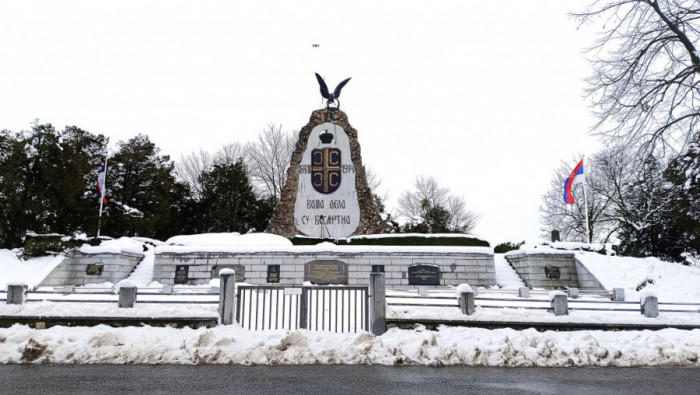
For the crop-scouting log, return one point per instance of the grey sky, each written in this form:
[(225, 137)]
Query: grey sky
[(486, 96)]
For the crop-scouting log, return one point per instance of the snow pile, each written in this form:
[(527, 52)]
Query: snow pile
[(230, 239), (31, 272), (506, 276), (116, 246), (672, 282), (446, 346), (81, 309)]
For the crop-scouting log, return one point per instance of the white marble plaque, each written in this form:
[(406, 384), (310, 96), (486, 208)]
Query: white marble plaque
[(326, 204)]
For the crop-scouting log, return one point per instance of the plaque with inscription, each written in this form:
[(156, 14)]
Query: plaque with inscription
[(94, 269), (325, 272), (423, 275), (239, 269), (273, 273), (377, 268), (552, 272), (182, 274)]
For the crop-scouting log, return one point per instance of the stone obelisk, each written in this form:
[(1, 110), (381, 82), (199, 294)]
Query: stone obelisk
[(326, 194)]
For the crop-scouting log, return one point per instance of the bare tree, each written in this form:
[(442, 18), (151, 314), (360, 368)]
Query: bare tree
[(429, 194), (603, 177), (374, 183), (269, 157), (645, 84), (191, 167)]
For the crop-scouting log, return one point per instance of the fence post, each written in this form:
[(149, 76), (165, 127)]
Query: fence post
[(618, 294), (16, 293), (524, 292), (227, 296), (650, 306), (560, 304), (466, 302), (127, 297), (303, 301), (573, 293), (377, 289)]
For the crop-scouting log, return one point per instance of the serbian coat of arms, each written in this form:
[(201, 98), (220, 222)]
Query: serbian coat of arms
[(325, 169)]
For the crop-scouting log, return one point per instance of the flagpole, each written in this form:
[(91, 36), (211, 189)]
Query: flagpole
[(102, 199), (585, 203)]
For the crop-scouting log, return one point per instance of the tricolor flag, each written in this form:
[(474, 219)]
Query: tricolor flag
[(574, 178), (101, 181)]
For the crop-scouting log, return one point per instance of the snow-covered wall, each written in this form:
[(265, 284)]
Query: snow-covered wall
[(539, 268), (473, 265), (100, 266)]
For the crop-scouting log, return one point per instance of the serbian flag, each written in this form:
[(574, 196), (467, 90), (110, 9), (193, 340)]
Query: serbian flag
[(574, 178), (101, 181)]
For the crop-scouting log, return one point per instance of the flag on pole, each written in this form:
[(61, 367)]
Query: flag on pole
[(574, 178), (101, 181)]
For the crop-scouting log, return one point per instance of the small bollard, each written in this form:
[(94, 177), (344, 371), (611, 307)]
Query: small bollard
[(227, 296), (573, 293), (377, 290), (127, 297), (524, 292), (650, 306), (68, 289), (560, 304), (16, 293), (167, 289), (466, 302), (422, 290), (618, 294)]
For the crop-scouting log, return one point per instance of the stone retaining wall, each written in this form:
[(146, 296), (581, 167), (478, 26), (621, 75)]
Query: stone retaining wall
[(532, 268), (73, 270), (455, 268)]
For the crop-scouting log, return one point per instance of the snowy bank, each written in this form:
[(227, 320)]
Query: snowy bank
[(672, 282), (446, 346)]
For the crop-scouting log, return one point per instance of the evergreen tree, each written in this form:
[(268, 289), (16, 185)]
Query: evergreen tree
[(144, 197), (228, 203)]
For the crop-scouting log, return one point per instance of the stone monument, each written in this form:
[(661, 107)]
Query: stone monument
[(326, 194)]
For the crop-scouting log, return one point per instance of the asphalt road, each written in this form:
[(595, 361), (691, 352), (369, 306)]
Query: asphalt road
[(77, 379)]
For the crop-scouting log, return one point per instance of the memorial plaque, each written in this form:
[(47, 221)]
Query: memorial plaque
[(423, 275), (377, 268), (273, 273), (240, 271), (182, 274), (552, 272), (325, 272), (94, 269)]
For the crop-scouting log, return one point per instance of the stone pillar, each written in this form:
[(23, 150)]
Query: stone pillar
[(127, 297), (650, 306), (573, 293), (16, 293), (560, 304), (524, 292), (466, 302), (227, 296), (618, 294), (377, 289)]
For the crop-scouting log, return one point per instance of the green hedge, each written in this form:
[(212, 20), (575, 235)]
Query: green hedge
[(42, 245), (507, 246), (397, 241)]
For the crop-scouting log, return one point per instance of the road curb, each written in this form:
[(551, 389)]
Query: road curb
[(408, 323), (43, 322)]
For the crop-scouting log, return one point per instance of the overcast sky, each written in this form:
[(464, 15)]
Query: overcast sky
[(486, 96)]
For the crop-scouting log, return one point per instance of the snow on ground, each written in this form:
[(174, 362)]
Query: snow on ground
[(143, 274), (672, 282), (30, 272), (230, 239), (506, 276), (445, 346)]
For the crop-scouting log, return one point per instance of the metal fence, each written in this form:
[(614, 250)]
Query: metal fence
[(493, 301), (326, 308)]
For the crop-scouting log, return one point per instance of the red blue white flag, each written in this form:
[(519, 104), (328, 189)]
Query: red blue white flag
[(574, 178), (101, 181)]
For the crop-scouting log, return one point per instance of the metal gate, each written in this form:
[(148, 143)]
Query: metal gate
[(324, 308)]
